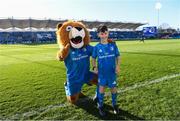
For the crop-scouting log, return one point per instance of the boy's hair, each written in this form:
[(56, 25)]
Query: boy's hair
[(102, 28)]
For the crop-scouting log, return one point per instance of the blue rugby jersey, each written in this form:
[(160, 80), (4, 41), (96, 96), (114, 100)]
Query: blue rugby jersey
[(106, 55), (78, 64)]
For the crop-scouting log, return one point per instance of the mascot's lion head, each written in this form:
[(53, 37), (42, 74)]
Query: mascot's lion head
[(73, 33)]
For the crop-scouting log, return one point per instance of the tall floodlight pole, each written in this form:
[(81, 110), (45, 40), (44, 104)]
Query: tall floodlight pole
[(158, 7)]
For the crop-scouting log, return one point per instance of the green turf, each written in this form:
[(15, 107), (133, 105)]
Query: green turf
[(31, 80)]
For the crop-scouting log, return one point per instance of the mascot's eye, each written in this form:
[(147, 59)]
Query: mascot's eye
[(68, 28)]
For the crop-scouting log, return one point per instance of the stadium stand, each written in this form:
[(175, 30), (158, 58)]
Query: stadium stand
[(27, 31), (50, 37), (175, 36), (44, 23), (27, 37)]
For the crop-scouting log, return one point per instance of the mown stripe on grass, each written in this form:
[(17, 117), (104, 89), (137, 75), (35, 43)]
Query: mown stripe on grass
[(122, 90)]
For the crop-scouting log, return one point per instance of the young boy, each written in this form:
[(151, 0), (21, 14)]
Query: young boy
[(108, 58)]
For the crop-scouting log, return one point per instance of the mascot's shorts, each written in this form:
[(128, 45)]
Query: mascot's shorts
[(75, 88)]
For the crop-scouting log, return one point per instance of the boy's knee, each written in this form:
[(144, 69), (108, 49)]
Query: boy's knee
[(114, 90), (101, 89)]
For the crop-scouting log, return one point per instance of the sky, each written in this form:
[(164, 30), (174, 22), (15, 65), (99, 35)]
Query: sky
[(103, 10)]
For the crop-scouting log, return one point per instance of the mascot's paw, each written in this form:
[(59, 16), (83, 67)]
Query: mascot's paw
[(62, 53), (58, 56)]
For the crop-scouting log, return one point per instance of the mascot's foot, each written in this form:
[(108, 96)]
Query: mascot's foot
[(73, 99), (81, 95)]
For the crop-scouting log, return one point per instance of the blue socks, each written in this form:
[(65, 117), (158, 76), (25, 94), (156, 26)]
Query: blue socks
[(101, 99), (97, 91)]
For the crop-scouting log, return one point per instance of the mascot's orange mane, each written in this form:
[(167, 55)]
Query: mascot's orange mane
[(65, 34)]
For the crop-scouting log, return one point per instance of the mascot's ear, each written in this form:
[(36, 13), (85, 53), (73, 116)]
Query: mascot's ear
[(59, 25)]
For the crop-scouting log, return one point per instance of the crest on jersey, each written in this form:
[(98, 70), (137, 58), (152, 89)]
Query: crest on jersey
[(114, 82), (100, 50), (73, 52), (84, 49), (112, 48)]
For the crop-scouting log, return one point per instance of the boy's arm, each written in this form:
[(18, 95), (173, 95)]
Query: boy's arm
[(118, 59), (118, 62)]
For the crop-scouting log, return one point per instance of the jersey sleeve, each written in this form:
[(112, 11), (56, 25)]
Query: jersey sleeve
[(68, 57), (94, 54)]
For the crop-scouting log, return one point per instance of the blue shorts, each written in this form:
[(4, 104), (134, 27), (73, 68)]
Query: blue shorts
[(75, 88), (110, 82)]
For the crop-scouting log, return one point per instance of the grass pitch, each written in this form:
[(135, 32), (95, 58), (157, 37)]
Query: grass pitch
[(31, 83)]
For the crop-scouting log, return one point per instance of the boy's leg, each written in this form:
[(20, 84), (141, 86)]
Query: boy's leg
[(114, 96), (112, 85), (94, 81), (114, 100), (101, 100), (101, 96), (95, 98)]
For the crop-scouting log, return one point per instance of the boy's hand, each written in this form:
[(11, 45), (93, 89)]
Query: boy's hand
[(117, 69)]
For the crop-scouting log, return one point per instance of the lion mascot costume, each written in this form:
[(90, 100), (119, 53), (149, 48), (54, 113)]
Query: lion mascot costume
[(73, 39)]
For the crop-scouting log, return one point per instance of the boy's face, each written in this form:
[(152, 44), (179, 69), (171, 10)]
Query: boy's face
[(103, 35)]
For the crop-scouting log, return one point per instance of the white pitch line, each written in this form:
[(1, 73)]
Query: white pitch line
[(40, 110), (146, 83), (50, 107)]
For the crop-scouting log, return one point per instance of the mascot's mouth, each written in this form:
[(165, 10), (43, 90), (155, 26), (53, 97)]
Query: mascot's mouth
[(76, 40)]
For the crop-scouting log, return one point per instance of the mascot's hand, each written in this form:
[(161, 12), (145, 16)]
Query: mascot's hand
[(63, 53)]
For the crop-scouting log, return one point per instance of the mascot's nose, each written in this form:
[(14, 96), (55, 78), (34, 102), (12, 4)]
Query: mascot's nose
[(78, 28)]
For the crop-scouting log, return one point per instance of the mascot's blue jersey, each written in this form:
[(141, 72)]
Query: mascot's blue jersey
[(77, 64), (106, 55)]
